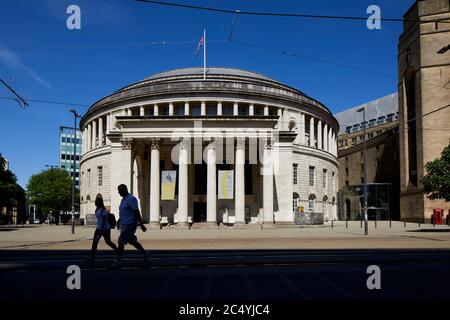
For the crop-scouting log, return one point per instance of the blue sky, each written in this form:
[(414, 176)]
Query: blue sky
[(49, 62)]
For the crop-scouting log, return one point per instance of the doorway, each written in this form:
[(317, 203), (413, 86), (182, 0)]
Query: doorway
[(199, 212)]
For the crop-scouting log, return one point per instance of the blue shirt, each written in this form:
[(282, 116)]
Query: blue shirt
[(102, 215), (127, 210)]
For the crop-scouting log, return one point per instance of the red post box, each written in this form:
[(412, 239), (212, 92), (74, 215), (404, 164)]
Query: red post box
[(438, 215)]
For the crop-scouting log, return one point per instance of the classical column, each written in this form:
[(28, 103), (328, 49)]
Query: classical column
[(333, 139), (186, 108), (251, 110), (89, 138), (154, 182), (267, 168), (266, 110), (203, 109), (319, 134), (219, 108), (235, 109), (330, 141), (84, 140), (302, 129), (100, 132), (170, 109), (121, 168), (182, 215), (325, 137), (94, 134), (155, 110), (239, 206), (211, 206), (142, 111), (311, 132), (129, 112)]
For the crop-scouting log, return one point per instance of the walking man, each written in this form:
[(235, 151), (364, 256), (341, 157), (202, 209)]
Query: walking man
[(130, 218)]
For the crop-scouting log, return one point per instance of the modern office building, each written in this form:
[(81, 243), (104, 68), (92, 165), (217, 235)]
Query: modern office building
[(66, 144), (237, 149)]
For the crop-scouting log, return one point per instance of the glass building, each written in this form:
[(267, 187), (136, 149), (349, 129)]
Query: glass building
[(66, 144)]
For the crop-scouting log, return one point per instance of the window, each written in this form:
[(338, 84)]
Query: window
[(258, 111), (100, 175), (371, 135), (380, 120), (390, 117), (361, 138), (227, 110), (332, 181), (178, 110), (196, 110), (355, 128), (311, 203), (243, 110), (354, 140), (324, 179), (63, 157), (211, 109), (311, 176), (89, 177), (163, 111), (346, 171), (348, 129), (294, 172), (372, 123)]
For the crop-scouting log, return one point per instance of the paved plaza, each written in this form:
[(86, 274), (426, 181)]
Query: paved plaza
[(398, 236)]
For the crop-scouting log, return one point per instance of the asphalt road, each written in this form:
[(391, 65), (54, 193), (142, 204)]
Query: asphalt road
[(224, 275)]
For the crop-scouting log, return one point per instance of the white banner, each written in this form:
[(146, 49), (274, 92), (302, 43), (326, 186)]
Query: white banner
[(225, 184)]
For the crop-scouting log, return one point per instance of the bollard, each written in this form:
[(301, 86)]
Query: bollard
[(346, 224), (375, 223), (360, 224), (332, 223), (404, 224), (390, 223)]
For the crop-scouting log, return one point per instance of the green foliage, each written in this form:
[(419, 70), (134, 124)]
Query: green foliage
[(436, 183), (8, 187), (51, 190)]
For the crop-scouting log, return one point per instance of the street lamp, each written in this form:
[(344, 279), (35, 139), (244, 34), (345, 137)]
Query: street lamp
[(366, 227), (75, 116)]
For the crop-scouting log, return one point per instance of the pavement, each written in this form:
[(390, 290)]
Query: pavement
[(288, 264), (384, 236)]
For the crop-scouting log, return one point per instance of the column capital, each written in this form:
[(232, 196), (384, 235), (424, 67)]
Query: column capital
[(240, 143), (127, 143), (267, 143), (154, 143), (211, 144)]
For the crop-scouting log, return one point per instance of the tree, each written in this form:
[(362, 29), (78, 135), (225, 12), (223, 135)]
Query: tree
[(436, 183), (51, 190), (8, 187)]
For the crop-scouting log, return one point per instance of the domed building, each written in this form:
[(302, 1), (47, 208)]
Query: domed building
[(238, 148)]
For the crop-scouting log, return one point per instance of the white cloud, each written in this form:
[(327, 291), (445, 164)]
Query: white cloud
[(13, 60)]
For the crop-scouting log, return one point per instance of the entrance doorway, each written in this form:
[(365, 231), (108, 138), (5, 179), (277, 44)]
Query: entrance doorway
[(199, 212)]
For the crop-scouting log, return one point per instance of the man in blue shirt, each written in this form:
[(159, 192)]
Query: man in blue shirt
[(129, 218)]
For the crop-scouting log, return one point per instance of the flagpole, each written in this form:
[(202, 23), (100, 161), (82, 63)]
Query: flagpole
[(204, 54)]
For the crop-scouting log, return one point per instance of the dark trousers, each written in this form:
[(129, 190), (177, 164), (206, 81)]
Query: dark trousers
[(106, 234)]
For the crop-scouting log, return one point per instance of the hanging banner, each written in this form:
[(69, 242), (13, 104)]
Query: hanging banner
[(225, 184), (168, 179)]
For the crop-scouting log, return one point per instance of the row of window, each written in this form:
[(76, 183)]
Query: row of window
[(312, 176), (70, 140), (371, 123), (99, 176), (70, 157)]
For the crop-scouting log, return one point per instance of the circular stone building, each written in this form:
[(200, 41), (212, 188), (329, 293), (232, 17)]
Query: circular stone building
[(236, 148)]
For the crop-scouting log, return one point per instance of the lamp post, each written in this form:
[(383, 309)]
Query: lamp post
[(366, 227), (75, 116)]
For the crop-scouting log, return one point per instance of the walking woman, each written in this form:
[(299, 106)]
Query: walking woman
[(103, 229)]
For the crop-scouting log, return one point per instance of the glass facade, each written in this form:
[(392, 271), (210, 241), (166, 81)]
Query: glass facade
[(66, 144)]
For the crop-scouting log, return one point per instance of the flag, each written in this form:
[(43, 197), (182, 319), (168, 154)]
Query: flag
[(200, 44)]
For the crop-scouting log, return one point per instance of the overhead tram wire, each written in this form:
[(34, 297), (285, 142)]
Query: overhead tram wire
[(49, 101), (280, 14)]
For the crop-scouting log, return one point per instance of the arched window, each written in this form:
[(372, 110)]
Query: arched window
[(312, 203), (295, 202), (324, 204), (99, 195), (88, 198), (347, 208)]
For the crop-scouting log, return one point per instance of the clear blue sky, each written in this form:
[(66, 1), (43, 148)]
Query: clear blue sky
[(47, 61)]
